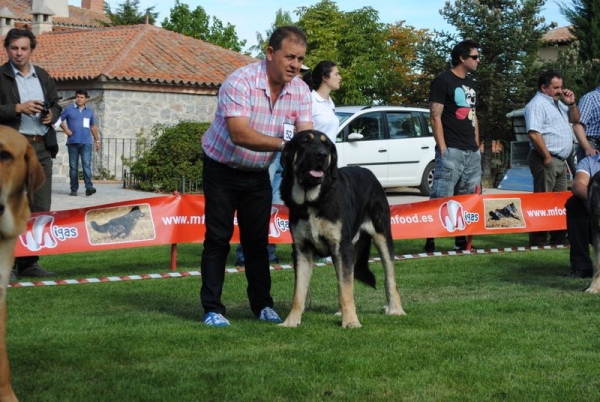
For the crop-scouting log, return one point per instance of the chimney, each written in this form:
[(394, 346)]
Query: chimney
[(7, 19), (60, 8), (42, 20), (96, 6)]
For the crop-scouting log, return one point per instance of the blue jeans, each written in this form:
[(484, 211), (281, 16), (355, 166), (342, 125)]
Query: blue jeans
[(227, 191), (457, 172), (275, 174), (75, 152)]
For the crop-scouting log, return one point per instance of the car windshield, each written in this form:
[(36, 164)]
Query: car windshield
[(343, 116)]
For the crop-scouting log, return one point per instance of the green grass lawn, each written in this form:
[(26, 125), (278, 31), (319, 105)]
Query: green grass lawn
[(504, 326)]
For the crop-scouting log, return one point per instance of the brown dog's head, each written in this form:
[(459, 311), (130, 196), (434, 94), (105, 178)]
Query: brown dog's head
[(19, 170)]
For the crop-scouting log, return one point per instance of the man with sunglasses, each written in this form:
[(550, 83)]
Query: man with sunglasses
[(452, 102)]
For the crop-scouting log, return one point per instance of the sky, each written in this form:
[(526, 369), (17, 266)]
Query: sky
[(252, 16)]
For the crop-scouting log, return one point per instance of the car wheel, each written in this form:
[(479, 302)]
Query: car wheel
[(427, 179)]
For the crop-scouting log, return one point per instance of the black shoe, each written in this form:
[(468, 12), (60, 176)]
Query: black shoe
[(586, 273), (429, 246), (73, 193), (35, 270), (274, 261), (239, 263), (89, 191)]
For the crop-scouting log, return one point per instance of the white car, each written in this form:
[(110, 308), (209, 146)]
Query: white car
[(394, 142)]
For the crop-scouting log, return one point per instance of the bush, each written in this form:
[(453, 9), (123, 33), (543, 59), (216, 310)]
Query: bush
[(175, 154)]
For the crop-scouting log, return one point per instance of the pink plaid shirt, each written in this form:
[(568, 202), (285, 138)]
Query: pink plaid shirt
[(245, 93)]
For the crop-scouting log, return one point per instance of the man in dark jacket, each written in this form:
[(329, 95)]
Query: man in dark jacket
[(29, 104)]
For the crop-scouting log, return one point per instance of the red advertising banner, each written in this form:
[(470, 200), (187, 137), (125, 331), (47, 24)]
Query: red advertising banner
[(180, 219)]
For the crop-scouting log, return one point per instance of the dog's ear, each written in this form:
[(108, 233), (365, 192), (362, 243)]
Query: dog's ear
[(287, 155), (334, 158), (35, 173)]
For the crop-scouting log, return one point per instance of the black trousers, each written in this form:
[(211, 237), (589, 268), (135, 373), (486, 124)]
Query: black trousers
[(227, 191), (580, 234)]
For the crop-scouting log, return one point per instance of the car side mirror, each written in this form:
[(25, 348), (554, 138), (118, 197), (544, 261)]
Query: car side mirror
[(355, 137)]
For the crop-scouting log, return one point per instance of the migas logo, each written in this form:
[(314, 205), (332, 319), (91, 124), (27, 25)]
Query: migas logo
[(453, 216), (41, 233)]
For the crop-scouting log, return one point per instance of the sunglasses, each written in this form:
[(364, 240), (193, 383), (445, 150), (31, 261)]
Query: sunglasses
[(473, 56)]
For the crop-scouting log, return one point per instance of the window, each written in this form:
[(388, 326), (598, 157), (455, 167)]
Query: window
[(370, 125)]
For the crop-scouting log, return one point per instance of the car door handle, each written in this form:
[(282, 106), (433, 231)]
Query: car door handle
[(425, 147), (382, 151)]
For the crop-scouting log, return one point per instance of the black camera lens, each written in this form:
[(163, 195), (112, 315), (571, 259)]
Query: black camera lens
[(46, 108)]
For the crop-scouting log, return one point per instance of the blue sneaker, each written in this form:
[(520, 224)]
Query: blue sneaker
[(215, 320), (269, 315)]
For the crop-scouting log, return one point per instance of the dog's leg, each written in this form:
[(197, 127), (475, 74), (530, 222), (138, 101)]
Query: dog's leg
[(303, 272), (344, 269), (7, 248), (594, 286), (384, 246), (346, 295)]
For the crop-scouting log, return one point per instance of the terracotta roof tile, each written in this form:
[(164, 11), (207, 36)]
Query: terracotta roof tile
[(134, 52), (558, 36)]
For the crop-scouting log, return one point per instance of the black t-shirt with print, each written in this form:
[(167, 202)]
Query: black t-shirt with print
[(459, 100)]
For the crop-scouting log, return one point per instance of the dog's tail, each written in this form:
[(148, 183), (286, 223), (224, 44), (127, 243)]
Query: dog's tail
[(362, 272), (98, 228)]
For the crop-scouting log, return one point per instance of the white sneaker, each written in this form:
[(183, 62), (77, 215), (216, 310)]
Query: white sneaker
[(269, 315)]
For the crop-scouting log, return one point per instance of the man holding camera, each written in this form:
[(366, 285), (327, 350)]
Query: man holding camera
[(29, 104), (79, 124), (547, 119)]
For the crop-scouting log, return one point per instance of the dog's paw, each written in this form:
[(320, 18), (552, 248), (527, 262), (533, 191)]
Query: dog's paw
[(289, 323), (593, 290), (353, 324), (393, 310)]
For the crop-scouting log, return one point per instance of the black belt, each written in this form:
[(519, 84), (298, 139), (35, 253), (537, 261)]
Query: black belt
[(34, 138), (560, 158)]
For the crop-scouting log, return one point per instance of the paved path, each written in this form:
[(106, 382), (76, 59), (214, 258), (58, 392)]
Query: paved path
[(109, 192)]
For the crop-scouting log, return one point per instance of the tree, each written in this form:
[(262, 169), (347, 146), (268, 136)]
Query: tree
[(405, 81), (281, 18), (354, 41), (585, 17), (197, 24), (128, 13), (509, 33)]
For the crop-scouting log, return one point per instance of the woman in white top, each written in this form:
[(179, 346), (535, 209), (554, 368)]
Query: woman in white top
[(323, 79)]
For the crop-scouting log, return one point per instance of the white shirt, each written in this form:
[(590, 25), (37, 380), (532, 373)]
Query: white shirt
[(324, 117)]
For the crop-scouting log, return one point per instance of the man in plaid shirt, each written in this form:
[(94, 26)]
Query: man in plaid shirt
[(587, 130), (260, 106)]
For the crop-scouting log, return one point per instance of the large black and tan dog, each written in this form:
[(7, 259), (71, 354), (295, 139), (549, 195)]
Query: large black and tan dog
[(594, 210), (19, 169), (335, 212)]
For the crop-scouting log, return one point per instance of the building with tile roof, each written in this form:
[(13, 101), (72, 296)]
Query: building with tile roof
[(554, 40), (136, 76)]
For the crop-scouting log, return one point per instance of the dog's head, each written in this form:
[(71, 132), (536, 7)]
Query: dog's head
[(309, 159), (312, 156)]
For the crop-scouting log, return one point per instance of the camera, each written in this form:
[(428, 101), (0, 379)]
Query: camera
[(45, 108)]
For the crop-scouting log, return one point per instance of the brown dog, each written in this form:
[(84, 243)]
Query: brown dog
[(20, 170)]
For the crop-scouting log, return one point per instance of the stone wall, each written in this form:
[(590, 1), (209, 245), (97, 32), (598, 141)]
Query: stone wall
[(121, 114)]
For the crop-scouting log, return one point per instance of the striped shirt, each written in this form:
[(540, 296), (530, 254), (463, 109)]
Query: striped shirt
[(552, 121), (245, 93), (589, 107)]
